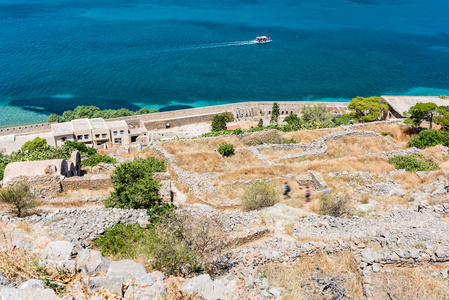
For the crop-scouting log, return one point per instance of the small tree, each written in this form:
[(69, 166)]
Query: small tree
[(275, 113), (226, 149), (36, 144), (229, 116), (134, 186), (317, 114), (443, 118), (54, 118), (293, 120), (368, 109), (19, 198), (260, 124), (259, 195), (218, 123), (421, 112)]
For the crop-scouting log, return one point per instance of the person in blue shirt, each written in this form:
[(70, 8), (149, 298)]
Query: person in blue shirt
[(286, 190)]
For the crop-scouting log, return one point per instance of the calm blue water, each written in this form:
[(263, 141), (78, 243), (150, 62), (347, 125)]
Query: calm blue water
[(135, 53)]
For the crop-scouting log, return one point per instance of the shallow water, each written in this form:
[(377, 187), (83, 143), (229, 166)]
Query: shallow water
[(117, 53)]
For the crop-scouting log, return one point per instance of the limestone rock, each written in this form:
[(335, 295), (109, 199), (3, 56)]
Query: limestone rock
[(113, 284), (206, 288), (93, 261), (3, 280), (126, 268), (10, 293), (397, 192), (59, 250)]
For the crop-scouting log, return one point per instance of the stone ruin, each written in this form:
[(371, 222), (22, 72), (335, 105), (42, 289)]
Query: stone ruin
[(53, 167)]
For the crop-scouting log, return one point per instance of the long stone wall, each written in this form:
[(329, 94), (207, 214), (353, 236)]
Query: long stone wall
[(26, 129), (192, 115)]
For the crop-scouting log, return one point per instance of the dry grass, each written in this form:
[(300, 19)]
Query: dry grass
[(273, 154), (209, 145), (401, 133), (305, 136), (374, 165), (434, 154), (200, 162), (243, 158), (353, 146), (410, 283), (412, 182), (297, 279)]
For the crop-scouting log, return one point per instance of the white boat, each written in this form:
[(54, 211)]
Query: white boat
[(263, 39)]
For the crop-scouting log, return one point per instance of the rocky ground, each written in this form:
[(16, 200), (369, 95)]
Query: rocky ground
[(396, 240)]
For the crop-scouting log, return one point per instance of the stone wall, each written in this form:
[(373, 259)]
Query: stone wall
[(26, 129), (193, 115), (165, 190), (87, 182), (43, 186)]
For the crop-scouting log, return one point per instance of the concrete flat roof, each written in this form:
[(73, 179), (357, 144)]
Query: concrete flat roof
[(402, 104), (98, 123), (81, 124), (116, 124), (62, 128)]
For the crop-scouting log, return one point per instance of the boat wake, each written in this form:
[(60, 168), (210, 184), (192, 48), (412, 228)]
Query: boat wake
[(212, 45)]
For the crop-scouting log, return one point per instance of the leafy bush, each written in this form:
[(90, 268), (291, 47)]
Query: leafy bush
[(81, 147), (158, 212), (429, 138), (226, 149), (54, 118), (134, 186), (177, 244), (335, 205), (293, 120), (36, 144), (343, 120), (218, 123), (260, 124), (387, 134), (228, 116), (19, 198), (95, 159), (368, 109), (412, 163), (317, 114), (259, 195), (122, 241), (91, 112)]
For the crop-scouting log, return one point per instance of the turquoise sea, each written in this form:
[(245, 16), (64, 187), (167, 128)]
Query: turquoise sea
[(57, 54)]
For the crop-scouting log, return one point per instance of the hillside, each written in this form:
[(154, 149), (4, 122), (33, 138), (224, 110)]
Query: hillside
[(370, 229)]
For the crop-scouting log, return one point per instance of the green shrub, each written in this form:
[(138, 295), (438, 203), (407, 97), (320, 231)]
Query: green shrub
[(81, 147), (260, 124), (335, 205), (343, 120), (228, 116), (387, 134), (177, 244), (429, 138), (412, 163), (317, 114), (122, 241), (218, 123), (90, 112), (267, 137), (134, 186), (19, 198), (158, 212), (95, 159), (226, 149), (36, 144), (259, 195)]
